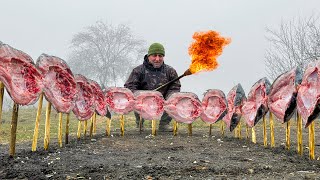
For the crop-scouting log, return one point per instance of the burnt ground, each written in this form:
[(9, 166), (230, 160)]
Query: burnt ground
[(141, 156)]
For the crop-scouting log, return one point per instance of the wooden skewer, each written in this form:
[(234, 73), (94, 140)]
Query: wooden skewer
[(1, 100), (85, 125), (236, 131), (108, 125), (265, 137), (91, 126), (94, 123), (272, 143), (222, 128), (311, 141), (189, 129), (122, 124), (79, 130), (288, 135), (60, 130), (299, 134), (67, 128), (247, 132), (47, 127), (14, 124), (239, 130), (253, 135), (210, 129), (153, 126), (175, 128), (36, 126)]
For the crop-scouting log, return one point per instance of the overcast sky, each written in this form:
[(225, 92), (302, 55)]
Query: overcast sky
[(44, 26)]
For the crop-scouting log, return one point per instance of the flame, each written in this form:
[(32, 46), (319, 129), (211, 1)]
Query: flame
[(205, 50)]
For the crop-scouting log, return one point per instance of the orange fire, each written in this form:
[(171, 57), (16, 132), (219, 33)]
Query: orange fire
[(205, 50)]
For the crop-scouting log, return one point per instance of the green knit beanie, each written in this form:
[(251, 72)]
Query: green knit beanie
[(156, 48)]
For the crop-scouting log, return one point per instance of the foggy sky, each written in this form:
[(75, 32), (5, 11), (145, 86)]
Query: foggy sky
[(43, 26)]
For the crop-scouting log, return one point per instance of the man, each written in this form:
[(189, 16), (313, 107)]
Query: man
[(152, 74)]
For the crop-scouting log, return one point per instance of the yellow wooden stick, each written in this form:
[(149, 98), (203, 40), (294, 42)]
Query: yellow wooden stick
[(153, 126), (140, 124), (60, 130), (265, 137), (108, 125), (253, 135), (91, 126), (247, 132), (85, 128), (222, 128), (236, 132), (299, 134), (288, 135), (1, 100), (210, 129), (36, 126), (272, 143), (67, 128), (79, 130), (239, 130), (47, 127), (311, 141), (94, 123), (14, 124), (175, 128), (122, 125), (189, 129)]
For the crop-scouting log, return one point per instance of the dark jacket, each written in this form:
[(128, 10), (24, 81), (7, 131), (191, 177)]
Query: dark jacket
[(146, 77)]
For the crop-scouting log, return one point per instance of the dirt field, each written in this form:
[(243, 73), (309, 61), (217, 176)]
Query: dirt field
[(141, 156)]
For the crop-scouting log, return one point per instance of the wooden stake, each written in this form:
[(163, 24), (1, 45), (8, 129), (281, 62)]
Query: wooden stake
[(299, 134), (153, 126), (247, 132), (175, 128), (60, 130), (85, 125), (140, 124), (79, 130), (91, 126), (108, 125), (1, 101), (272, 143), (122, 124), (239, 130), (14, 124), (222, 128), (253, 135), (265, 137), (67, 128), (94, 123), (189, 129), (36, 126), (210, 129), (47, 127), (288, 135), (236, 131), (311, 140)]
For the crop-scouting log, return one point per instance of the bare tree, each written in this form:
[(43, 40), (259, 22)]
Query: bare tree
[(105, 53), (296, 43)]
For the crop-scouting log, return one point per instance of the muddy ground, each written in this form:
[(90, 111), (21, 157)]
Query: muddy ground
[(141, 156)]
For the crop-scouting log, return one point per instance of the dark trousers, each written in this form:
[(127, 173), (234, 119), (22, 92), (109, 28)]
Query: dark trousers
[(165, 119)]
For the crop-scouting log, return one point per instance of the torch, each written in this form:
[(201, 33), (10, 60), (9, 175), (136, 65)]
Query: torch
[(186, 73)]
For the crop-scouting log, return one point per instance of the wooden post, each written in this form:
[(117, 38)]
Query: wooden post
[(14, 124), (210, 129), (85, 125), (108, 125), (265, 137), (222, 128), (67, 128), (94, 123), (311, 140), (236, 132), (299, 134), (1, 101), (288, 135), (175, 128), (47, 127), (60, 130), (253, 135), (189, 129), (122, 124), (91, 126), (239, 130), (272, 143), (247, 132), (153, 126), (79, 130), (36, 126)]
